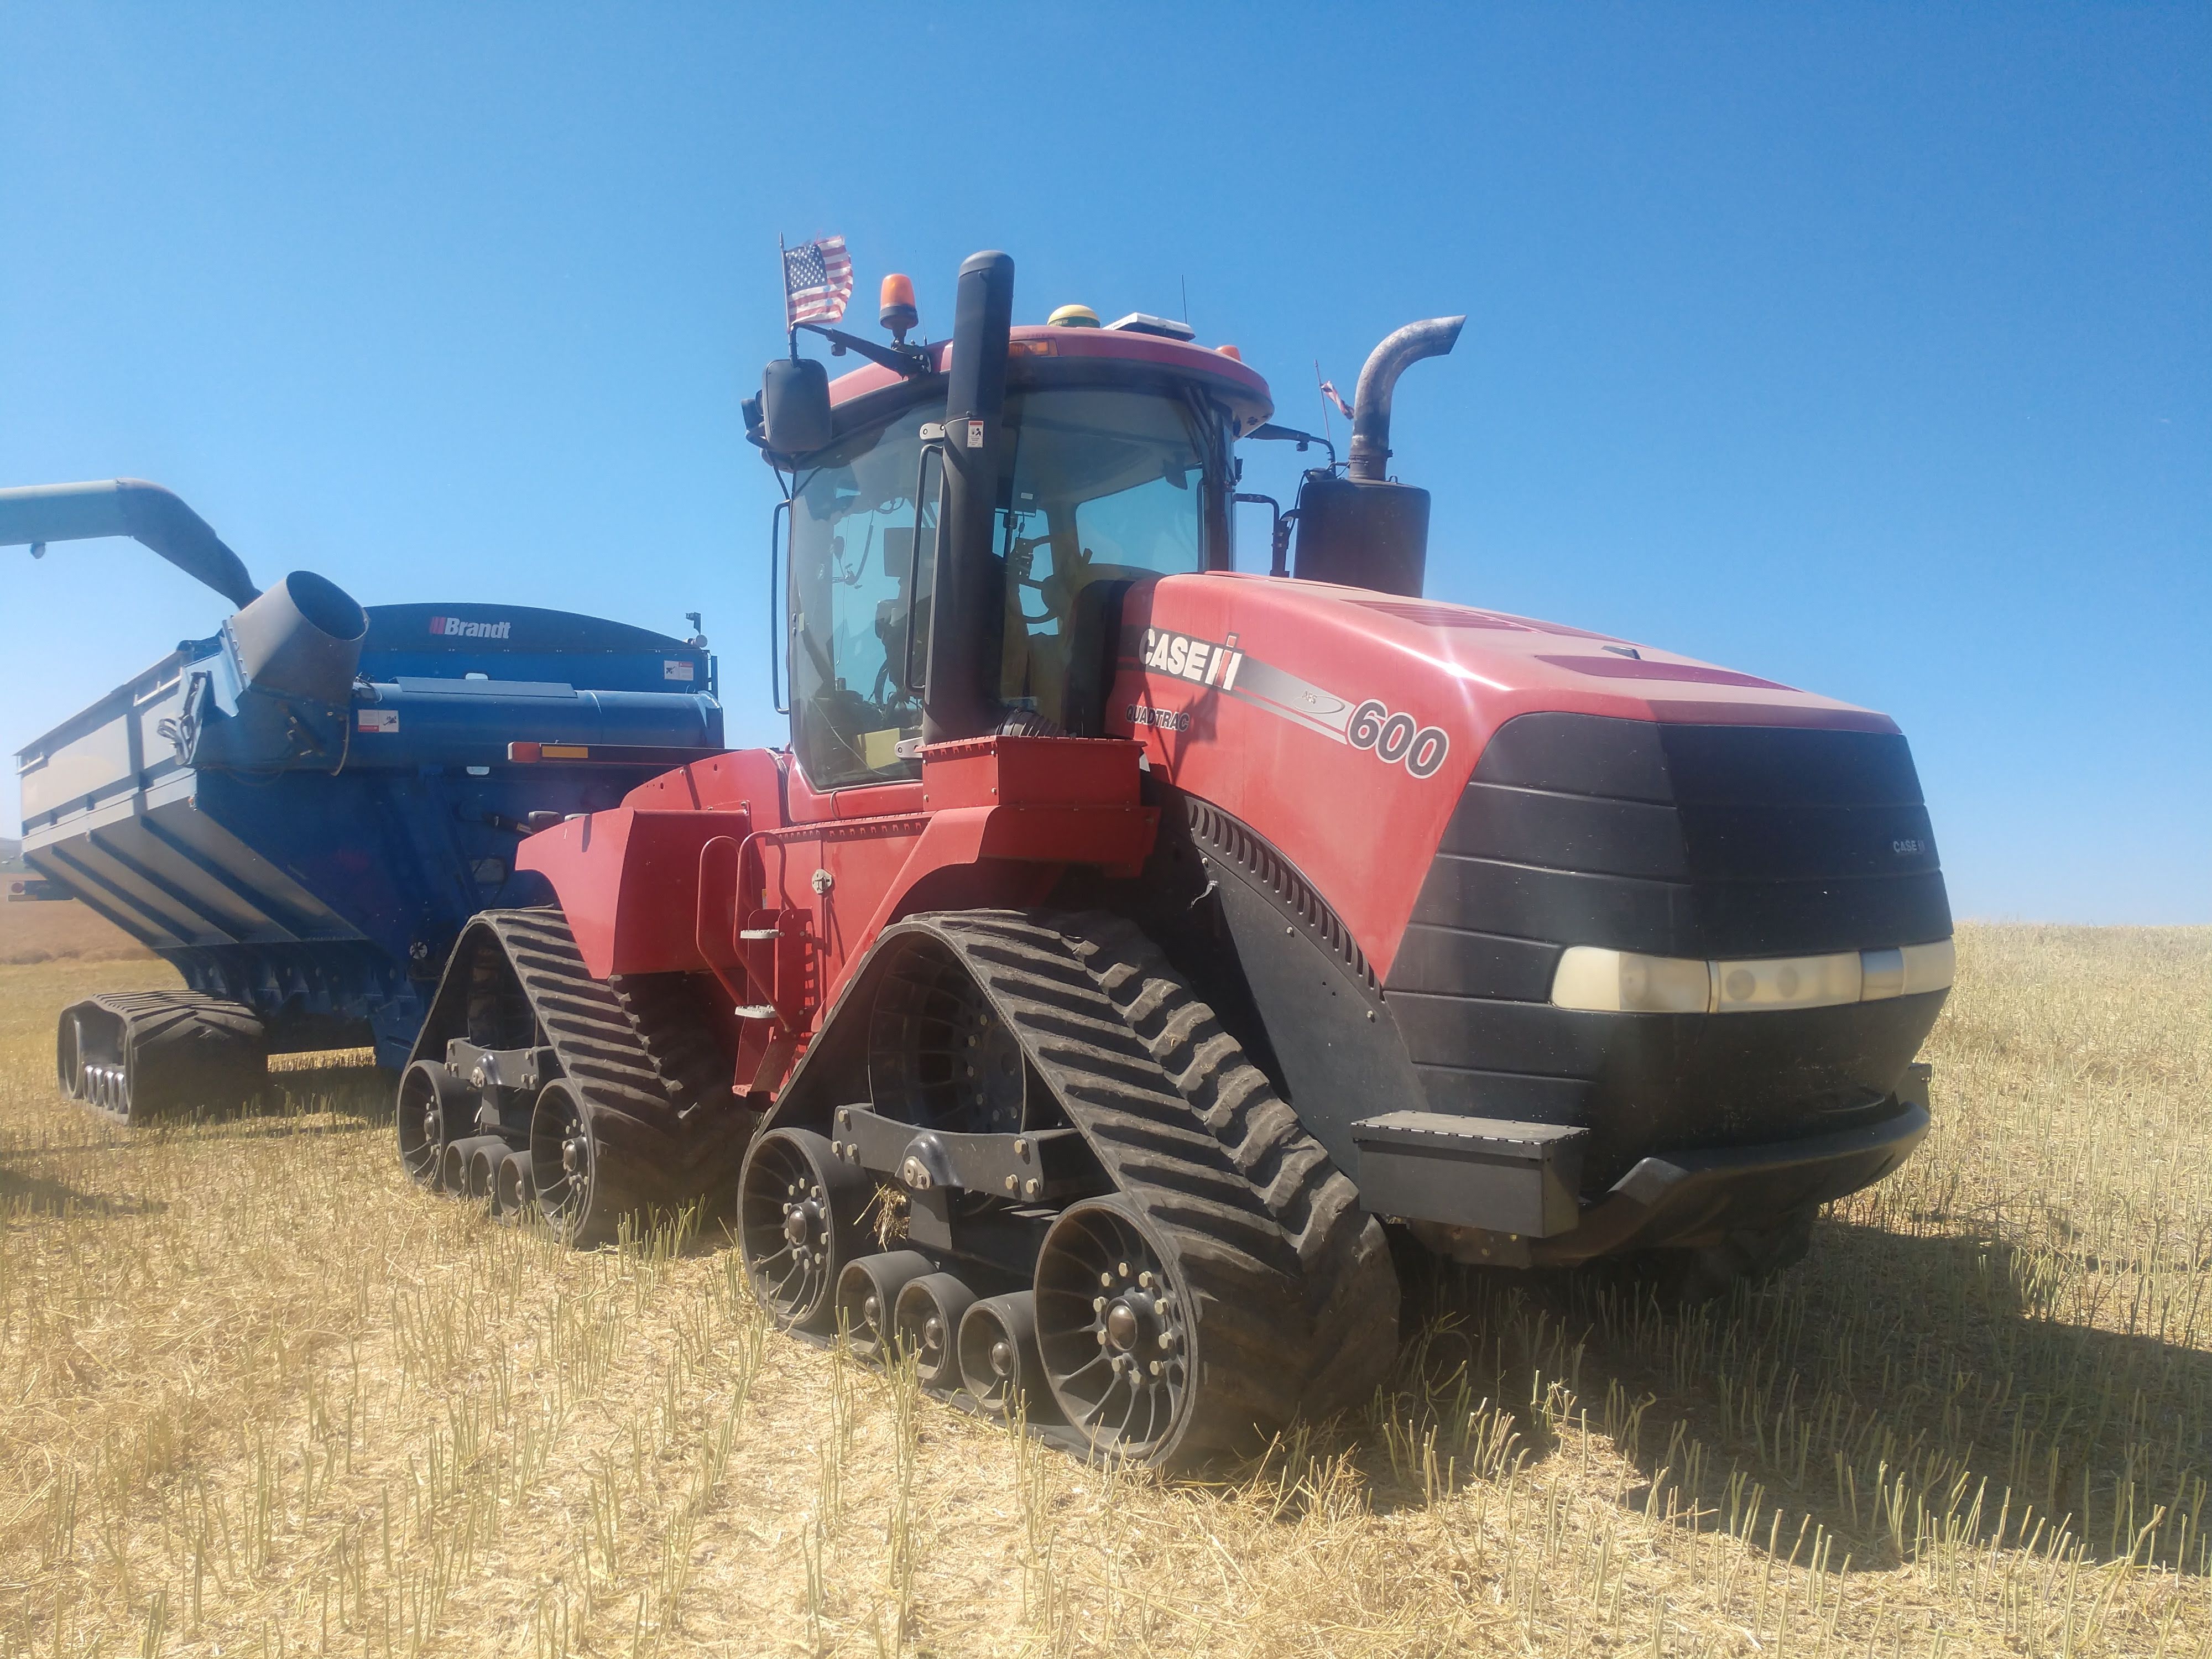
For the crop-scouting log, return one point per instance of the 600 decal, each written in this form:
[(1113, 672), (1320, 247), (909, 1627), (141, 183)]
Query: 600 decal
[(1398, 737)]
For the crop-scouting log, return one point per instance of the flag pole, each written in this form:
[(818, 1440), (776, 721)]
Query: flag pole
[(783, 276), (1318, 384)]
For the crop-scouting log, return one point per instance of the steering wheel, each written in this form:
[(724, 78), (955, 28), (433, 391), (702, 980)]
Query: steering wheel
[(1060, 582)]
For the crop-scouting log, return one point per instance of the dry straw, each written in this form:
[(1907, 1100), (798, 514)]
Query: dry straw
[(263, 1398)]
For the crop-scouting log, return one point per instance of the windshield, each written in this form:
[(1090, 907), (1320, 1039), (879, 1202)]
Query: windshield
[(1106, 484)]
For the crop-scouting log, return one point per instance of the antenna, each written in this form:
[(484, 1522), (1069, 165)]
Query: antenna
[(1186, 299), (1321, 390)]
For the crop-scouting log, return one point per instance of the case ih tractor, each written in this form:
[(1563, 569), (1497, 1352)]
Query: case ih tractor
[(1126, 945)]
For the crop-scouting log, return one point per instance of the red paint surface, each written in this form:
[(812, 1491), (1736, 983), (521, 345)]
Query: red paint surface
[(1361, 829), (1012, 812), (628, 881), (1243, 386), (671, 881), (1634, 668)]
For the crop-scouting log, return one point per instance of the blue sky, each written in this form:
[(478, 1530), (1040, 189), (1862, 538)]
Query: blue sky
[(1868, 348)]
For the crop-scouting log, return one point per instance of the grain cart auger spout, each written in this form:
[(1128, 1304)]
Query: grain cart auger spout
[(300, 813), (1127, 943), (34, 514)]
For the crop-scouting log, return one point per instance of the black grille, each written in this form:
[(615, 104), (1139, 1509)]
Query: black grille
[(1679, 840)]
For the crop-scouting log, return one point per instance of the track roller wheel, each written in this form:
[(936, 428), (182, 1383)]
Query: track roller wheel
[(434, 1103), (926, 1324), (1118, 1333), (108, 1087), (465, 1169), (483, 1172), (999, 1362), (584, 1185), (511, 1194), (69, 1054), (867, 1291), (799, 1224)]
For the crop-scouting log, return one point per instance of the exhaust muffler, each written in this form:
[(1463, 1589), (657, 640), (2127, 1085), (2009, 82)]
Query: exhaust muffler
[(1363, 530)]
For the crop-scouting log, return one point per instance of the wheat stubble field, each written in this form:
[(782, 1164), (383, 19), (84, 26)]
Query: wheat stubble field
[(259, 1396)]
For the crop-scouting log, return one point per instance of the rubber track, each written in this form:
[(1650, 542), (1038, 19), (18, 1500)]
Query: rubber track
[(669, 1011), (1298, 1300), (1350, 1286), (667, 1132), (154, 1028)]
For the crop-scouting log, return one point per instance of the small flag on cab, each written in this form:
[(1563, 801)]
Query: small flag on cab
[(817, 280), (1329, 390)]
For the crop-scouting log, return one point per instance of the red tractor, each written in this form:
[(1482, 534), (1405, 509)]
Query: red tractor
[(1127, 946)]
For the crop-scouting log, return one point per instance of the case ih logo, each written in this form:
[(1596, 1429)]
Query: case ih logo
[(1199, 661), (1224, 669), (457, 628)]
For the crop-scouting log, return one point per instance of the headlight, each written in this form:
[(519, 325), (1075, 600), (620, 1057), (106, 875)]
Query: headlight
[(1599, 981), (1903, 973), (1620, 981)]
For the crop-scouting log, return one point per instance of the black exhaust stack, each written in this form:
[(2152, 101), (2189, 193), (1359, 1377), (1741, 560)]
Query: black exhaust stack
[(967, 599), (1362, 530)]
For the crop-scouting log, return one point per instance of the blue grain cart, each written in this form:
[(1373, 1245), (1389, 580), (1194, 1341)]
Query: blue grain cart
[(301, 811)]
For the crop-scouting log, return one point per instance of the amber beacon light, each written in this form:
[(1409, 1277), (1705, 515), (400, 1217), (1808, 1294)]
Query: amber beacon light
[(898, 314)]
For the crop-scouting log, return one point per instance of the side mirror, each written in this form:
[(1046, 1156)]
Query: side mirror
[(795, 405)]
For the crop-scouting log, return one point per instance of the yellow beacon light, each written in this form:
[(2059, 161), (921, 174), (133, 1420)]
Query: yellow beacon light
[(1073, 316)]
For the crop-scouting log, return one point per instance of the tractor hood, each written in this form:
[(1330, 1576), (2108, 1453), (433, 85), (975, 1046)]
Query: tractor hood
[(1296, 706)]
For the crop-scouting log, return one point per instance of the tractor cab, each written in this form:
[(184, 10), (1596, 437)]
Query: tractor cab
[(1106, 464)]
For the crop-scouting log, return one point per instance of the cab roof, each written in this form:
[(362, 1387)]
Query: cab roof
[(1240, 389)]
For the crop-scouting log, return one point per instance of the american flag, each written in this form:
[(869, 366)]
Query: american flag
[(1329, 390), (817, 280)]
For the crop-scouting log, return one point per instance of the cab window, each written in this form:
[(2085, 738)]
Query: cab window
[(851, 556), (1108, 485)]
